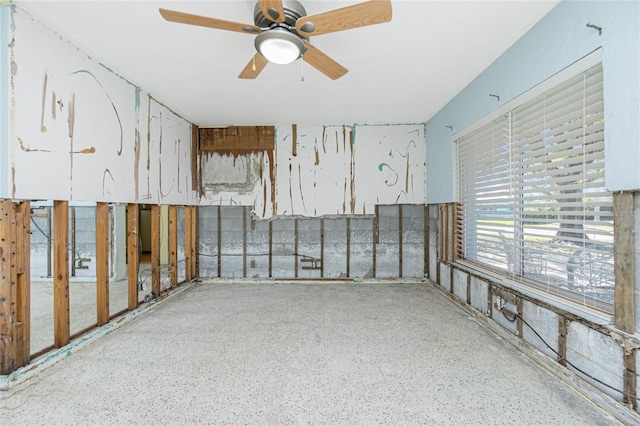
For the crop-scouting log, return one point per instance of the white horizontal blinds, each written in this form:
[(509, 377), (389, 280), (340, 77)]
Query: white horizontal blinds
[(485, 188), (539, 208)]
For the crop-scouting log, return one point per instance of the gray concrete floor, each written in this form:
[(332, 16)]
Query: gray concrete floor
[(303, 353)]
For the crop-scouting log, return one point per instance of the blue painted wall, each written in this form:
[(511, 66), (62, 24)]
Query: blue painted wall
[(4, 101), (558, 40)]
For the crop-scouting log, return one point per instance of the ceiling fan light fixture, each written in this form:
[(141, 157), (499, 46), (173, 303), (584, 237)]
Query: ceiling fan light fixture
[(279, 46)]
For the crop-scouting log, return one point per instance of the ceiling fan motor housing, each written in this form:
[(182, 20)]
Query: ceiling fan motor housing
[(293, 11)]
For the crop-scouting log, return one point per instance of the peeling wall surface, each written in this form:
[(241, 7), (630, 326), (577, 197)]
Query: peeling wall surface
[(78, 131), (316, 174)]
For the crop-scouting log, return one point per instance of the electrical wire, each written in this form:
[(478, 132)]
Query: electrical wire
[(572, 365)]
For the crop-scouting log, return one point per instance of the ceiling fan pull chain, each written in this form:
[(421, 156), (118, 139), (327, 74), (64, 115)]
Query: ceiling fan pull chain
[(301, 68)]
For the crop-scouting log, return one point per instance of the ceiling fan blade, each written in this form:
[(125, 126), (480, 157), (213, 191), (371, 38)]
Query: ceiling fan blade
[(203, 21), (254, 67), (320, 61), (272, 10), (354, 16)]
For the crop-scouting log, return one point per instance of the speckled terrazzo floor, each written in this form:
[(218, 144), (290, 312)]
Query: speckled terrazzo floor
[(279, 353)]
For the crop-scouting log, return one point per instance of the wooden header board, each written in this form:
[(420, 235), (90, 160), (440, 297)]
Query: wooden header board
[(237, 139)]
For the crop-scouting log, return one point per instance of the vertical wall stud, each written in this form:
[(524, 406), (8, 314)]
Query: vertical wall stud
[(188, 241), (563, 324), (520, 310), (102, 263), (400, 225), (348, 247), (23, 281), (426, 241), (468, 289), (375, 240), (133, 253), (195, 260), (61, 273), (321, 247), (8, 291), (624, 265), (173, 245), (244, 241), (155, 249), (295, 248), (270, 249), (630, 377), (219, 241)]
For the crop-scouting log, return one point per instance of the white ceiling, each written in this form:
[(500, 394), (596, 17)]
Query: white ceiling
[(399, 72)]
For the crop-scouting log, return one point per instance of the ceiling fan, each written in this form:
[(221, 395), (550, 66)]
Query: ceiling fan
[(283, 30)]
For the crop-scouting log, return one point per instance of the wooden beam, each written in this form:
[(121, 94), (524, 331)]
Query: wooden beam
[(8, 291), (630, 378), (155, 249), (133, 253), (188, 241), (563, 325), (61, 273), (102, 263), (23, 234), (195, 271), (400, 226), (624, 265), (173, 245)]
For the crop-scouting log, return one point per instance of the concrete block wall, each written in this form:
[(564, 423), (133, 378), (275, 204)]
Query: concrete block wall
[(387, 245)]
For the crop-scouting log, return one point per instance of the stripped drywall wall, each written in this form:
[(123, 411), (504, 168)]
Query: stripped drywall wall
[(5, 107), (316, 174), (81, 132)]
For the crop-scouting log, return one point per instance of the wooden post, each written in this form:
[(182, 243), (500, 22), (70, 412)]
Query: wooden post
[(188, 240), (8, 289), (194, 244), (173, 245), (624, 265), (102, 263), (133, 253), (61, 273), (23, 280), (155, 250)]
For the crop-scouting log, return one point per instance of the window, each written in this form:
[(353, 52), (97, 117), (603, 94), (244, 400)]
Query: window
[(531, 187)]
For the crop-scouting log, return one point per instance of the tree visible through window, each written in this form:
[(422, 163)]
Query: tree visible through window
[(532, 194)]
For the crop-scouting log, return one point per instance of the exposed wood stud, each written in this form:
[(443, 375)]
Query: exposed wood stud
[(425, 240), (195, 185), (219, 232), (520, 310), (295, 247), (155, 249), (624, 265), (102, 263), (61, 273), (451, 277), (376, 230), (400, 226), (245, 212), (563, 324), (188, 241), (489, 299), (468, 289), (133, 254), (23, 212), (348, 232), (630, 378), (270, 249), (173, 245), (7, 289), (195, 263), (321, 247)]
